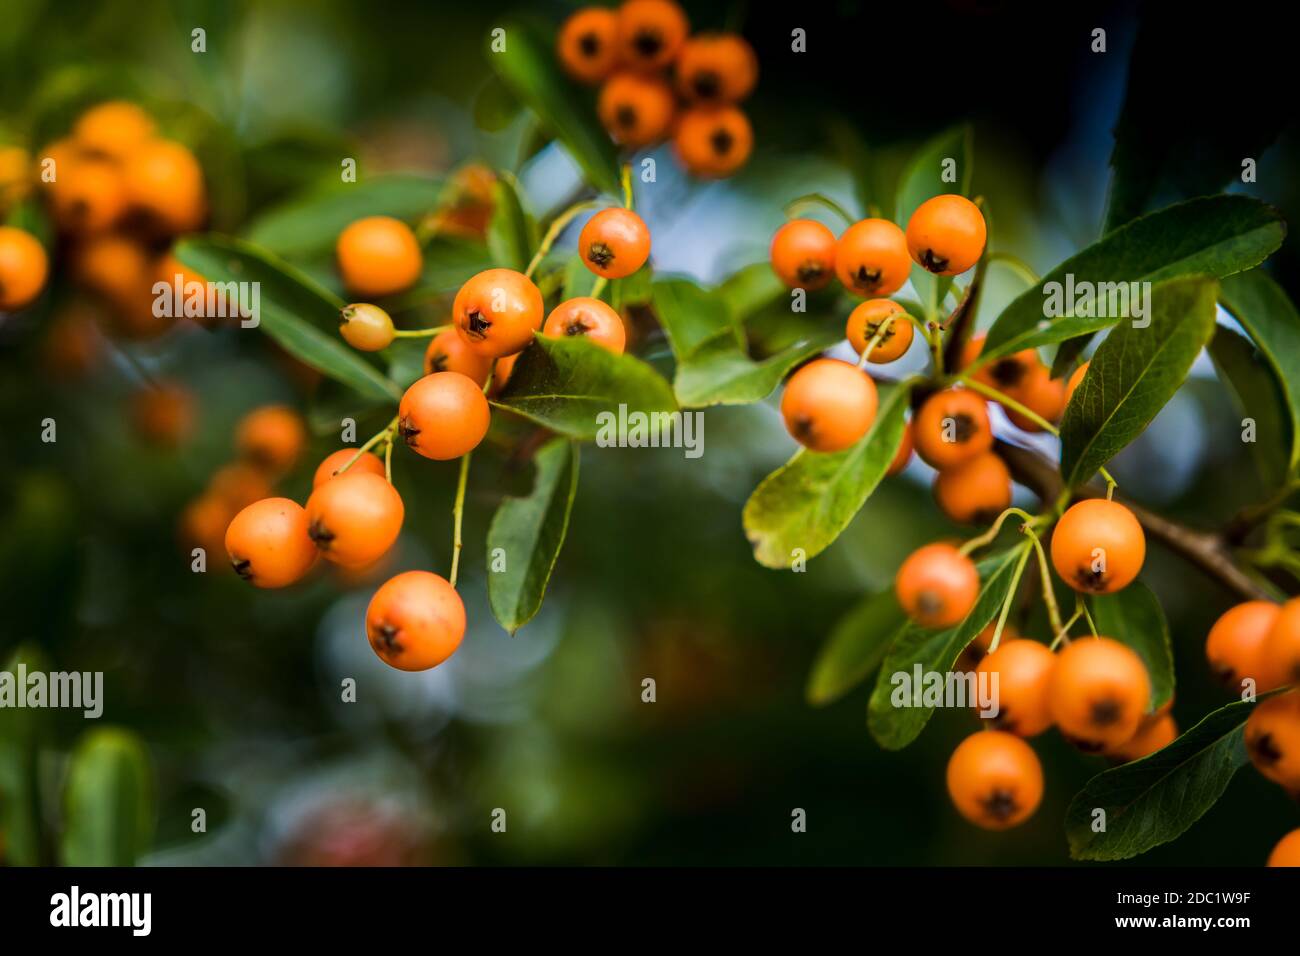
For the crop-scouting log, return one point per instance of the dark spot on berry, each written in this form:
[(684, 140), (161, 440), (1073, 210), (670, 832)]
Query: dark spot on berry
[(599, 254), (707, 85), (410, 434), (804, 427), (589, 45), (320, 535), (868, 279), (963, 428), (243, 567), (576, 327), (1008, 372), (873, 329), (929, 603), (810, 271), (625, 116), (1000, 805), (387, 634), (1264, 750), (647, 43), (437, 363), (721, 140), (1089, 580), (1086, 746), (477, 325), (1104, 712), (932, 262)]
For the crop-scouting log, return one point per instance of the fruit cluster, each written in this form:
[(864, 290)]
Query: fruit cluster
[(657, 81)]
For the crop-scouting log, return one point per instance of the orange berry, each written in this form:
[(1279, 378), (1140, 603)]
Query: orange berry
[(448, 352), (1273, 739), (635, 110), (239, 484), (329, 467), (378, 256), (501, 372), (871, 258), (415, 621), (716, 68), (1287, 851), (469, 211), (497, 311), (946, 235), (650, 32), (88, 195), (937, 585), (1099, 693), (113, 129), (268, 543), (828, 405), (589, 318), (443, 416), (1279, 652), (978, 648), (713, 142), (904, 453), (1154, 733), (803, 254), (1098, 546), (16, 176), (24, 267), (355, 518), (1235, 643), (165, 182), (587, 44), (114, 267), (952, 427), (163, 414), (272, 437), (995, 780), (1008, 374), (865, 321), (1024, 670), (1075, 379), (975, 491), (204, 521), (366, 327), (614, 243), (1042, 395)]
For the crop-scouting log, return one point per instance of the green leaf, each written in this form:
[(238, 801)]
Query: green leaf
[(1133, 374), (311, 224), (576, 388), (530, 532), (720, 373), (22, 733), (752, 288), (632, 290), (808, 501), (528, 68), (1156, 799), (935, 652), (1260, 396), (922, 179), (1134, 617), (1215, 236), (293, 310), (495, 107), (109, 801), (1270, 317), (691, 317), (578, 279), (855, 647), (512, 233)]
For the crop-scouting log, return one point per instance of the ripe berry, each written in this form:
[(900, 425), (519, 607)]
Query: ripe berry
[(978, 648), (443, 416), (1075, 379), (1154, 733), (1024, 669), (952, 427), (1287, 851), (1042, 395), (113, 129), (88, 195), (415, 621), (239, 484), (716, 68), (904, 453), (1098, 546), (803, 254), (497, 311), (272, 436), (501, 373), (1007, 374), (588, 318), (1099, 693), (588, 44), (329, 467), (165, 182), (366, 327), (713, 141), (378, 256), (1273, 739), (1235, 643), (975, 491), (268, 543), (114, 267), (204, 521), (946, 235), (828, 405), (635, 110), (865, 321), (995, 780), (448, 352), (937, 585), (23, 268), (614, 243), (871, 258), (650, 32), (163, 414), (1279, 653), (355, 518)]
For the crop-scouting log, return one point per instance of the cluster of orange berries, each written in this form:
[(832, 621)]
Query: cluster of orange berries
[(631, 50)]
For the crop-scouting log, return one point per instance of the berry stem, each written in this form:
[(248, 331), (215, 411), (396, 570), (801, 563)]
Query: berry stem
[(1009, 402), (1087, 615), (1049, 594), (1010, 598), (371, 442), (388, 459), (625, 179), (1063, 634), (988, 536), (1016, 265), (419, 333), (598, 286), (875, 340), (458, 513), (817, 199), (1110, 483), (556, 227)]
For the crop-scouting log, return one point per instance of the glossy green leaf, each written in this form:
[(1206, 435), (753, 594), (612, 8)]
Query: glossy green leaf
[(750, 289), (855, 647), (935, 653), (109, 801), (578, 279), (530, 71), (23, 731), (720, 373), (691, 317), (1133, 374), (293, 310), (802, 507), (1260, 397), (529, 532), (924, 177), (311, 224), (1156, 799), (512, 233), (576, 388), (1215, 236), (1134, 617)]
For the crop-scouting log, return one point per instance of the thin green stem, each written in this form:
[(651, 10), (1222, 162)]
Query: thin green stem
[(598, 286), (1087, 615), (420, 333), (876, 339), (1049, 595), (988, 536), (625, 179), (1010, 599), (557, 226), (1008, 402), (388, 459), (458, 513), (817, 199), (1016, 265), (1110, 483), (371, 442), (1063, 633)]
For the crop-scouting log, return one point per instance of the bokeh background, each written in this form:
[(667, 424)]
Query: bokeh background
[(235, 693)]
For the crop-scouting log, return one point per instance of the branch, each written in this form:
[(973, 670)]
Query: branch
[(1204, 549)]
